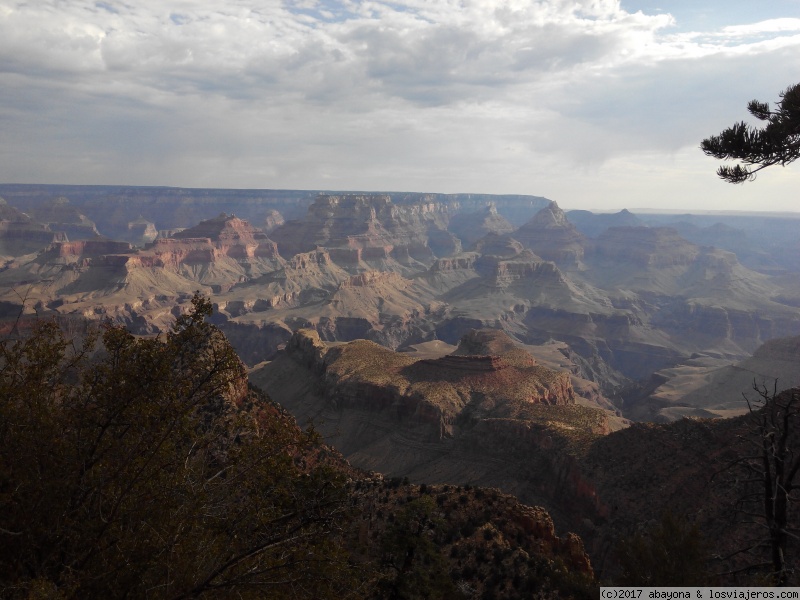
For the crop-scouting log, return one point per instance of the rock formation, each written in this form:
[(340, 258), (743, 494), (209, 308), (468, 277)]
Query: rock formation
[(141, 231), (273, 220), (433, 391), (657, 247), (387, 268), (12, 214), (711, 387), (372, 229), (113, 207), (60, 215), (593, 224), (428, 418), (604, 485), (20, 235), (232, 237), (550, 235), (470, 227), (18, 238), (86, 248)]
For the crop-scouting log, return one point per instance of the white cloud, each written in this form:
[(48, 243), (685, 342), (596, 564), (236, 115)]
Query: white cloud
[(405, 95), (768, 26)]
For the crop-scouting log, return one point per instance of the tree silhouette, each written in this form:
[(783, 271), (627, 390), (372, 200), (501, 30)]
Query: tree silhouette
[(772, 468), (777, 143)]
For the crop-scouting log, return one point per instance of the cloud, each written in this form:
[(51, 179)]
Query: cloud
[(768, 26), (403, 94)]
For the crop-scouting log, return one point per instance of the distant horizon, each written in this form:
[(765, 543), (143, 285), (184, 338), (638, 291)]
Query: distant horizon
[(563, 205)]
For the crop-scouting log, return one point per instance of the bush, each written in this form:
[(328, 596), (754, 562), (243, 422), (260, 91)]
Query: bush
[(671, 553)]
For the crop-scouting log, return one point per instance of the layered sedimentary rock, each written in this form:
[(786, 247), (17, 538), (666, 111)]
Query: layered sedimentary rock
[(494, 244), (18, 238), (593, 224), (456, 263), (20, 234), (87, 248), (232, 237), (434, 391), (371, 228), (60, 215), (502, 272), (101, 278), (141, 231), (646, 246), (113, 207), (644, 300), (452, 418), (470, 227), (550, 235)]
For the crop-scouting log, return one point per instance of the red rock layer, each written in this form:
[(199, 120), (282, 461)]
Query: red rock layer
[(232, 237)]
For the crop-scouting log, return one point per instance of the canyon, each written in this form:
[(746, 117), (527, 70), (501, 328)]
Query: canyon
[(583, 362), (630, 297)]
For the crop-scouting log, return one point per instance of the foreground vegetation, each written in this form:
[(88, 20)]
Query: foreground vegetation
[(146, 468)]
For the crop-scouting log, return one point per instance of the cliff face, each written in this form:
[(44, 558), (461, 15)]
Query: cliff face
[(18, 238), (458, 263), (449, 419), (526, 265), (141, 231), (232, 237), (657, 247), (87, 248), (549, 234), (60, 215), (434, 392), (373, 225), (470, 227), (387, 268)]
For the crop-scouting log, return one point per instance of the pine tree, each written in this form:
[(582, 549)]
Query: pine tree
[(776, 143)]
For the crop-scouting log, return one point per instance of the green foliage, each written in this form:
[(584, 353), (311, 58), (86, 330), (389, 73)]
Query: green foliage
[(777, 143), (145, 468), (417, 567), (670, 553)]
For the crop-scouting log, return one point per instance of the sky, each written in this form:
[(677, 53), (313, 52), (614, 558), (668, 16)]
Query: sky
[(597, 104)]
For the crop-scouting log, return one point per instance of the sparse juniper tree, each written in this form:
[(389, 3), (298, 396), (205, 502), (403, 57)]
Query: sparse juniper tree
[(776, 143)]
